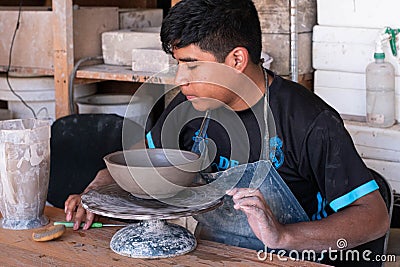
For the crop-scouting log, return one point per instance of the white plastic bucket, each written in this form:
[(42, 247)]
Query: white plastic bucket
[(38, 93), (139, 107)]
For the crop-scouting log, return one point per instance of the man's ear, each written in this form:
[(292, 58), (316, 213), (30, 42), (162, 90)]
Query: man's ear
[(238, 58)]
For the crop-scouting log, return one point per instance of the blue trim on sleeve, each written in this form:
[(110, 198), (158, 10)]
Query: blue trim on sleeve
[(150, 142), (352, 196)]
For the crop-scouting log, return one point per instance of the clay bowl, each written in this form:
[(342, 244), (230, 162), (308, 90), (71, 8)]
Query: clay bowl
[(153, 173)]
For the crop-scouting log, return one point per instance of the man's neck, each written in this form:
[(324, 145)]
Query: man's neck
[(257, 76)]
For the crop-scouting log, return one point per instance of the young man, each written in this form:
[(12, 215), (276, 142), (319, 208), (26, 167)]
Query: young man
[(314, 154)]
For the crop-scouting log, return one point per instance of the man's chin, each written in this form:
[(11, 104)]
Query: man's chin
[(206, 105), (200, 107)]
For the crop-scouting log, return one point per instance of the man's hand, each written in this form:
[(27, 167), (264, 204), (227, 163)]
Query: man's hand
[(317, 235), (73, 203), (261, 220)]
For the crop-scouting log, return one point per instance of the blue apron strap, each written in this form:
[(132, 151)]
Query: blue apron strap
[(230, 226), (265, 142), (197, 147)]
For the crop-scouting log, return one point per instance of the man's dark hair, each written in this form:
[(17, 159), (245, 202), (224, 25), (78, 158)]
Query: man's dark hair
[(216, 26)]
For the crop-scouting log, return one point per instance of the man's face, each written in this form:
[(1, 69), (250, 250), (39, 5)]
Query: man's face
[(203, 81)]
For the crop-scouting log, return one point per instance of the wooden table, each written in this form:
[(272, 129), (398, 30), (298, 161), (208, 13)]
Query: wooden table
[(91, 248)]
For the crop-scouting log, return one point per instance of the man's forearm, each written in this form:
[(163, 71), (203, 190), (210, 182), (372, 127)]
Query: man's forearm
[(103, 177), (363, 221)]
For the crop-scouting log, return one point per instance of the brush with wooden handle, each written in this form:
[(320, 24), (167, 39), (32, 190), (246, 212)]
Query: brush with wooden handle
[(49, 233)]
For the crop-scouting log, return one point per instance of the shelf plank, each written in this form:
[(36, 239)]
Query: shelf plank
[(122, 73), (27, 71), (63, 53)]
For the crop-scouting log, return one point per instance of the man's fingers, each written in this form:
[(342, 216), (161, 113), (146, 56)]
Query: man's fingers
[(254, 211), (245, 192), (79, 216), (68, 216), (89, 220), (248, 201), (231, 192), (74, 203), (70, 205)]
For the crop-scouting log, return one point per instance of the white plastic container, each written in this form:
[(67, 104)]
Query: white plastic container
[(380, 85)]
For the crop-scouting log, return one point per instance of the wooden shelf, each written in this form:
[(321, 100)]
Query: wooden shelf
[(27, 71), (122, 73)]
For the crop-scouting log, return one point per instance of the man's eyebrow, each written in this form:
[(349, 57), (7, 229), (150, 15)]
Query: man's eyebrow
[(188, 59)]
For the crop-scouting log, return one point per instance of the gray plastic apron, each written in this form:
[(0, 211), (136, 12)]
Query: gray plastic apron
[(229, 226)]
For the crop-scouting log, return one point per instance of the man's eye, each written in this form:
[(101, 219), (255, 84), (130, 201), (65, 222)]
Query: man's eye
[(192, 66)]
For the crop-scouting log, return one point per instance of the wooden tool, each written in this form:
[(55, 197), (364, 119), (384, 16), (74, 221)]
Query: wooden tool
[(49, 233)]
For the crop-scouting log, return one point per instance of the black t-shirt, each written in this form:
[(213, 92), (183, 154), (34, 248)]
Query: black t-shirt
[(314, 154)]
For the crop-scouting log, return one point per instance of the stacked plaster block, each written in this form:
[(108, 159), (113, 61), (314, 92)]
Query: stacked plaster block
[(379, 148), (118, 45), (358, 13), (150, 60)]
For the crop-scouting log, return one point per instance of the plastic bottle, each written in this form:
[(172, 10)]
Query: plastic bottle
[(380, 83)]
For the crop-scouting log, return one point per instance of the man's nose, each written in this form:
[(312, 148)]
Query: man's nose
[(182, 76)]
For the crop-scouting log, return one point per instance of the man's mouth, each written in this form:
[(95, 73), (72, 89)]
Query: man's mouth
[(189, 97)]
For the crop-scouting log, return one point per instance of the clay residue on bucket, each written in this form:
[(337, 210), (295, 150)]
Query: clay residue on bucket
[(24, 172)]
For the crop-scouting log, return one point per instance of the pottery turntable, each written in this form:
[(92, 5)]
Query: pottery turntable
[(150, 235)]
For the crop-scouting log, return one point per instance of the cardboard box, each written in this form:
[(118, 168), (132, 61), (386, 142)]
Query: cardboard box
[(33, 45)]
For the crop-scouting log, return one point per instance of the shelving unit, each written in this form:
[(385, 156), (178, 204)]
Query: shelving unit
[(63, 59)]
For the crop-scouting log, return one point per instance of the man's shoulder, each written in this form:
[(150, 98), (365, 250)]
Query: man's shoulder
[(293, 99)]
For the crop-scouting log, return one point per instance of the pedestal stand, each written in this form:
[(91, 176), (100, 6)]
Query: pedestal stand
[(152, 237)]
